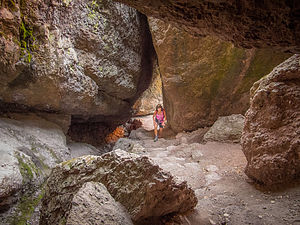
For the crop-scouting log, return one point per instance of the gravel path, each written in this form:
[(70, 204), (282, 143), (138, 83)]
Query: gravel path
[(225, 194)]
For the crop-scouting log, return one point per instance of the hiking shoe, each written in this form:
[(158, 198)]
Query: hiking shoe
[(156, 139)]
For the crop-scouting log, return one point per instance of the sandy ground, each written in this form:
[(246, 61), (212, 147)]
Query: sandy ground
[(225, 194)]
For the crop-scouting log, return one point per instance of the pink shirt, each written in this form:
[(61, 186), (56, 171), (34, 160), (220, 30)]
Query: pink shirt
[(160, 117)]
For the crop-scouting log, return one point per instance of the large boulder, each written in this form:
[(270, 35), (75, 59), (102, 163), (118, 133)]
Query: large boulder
[(136, 182), (29, 148), (204, 78), (90, 59), (93, 204), (271, 138), (246, 23), (226, 129), (36, 136)]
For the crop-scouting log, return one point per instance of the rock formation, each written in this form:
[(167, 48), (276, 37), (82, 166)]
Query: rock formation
[(271, 138), (77, 67), (89, 59), (226, 129), (29, 148), (129, 145), (93, 204), (245, 23), (136, 182), (204, 78)]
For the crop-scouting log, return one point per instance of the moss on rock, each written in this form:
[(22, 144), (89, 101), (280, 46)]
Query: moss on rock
[(27, 41), (27, 169), (26, 207)]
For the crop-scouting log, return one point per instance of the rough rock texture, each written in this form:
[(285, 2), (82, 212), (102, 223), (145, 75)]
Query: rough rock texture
[(226, 129), (10, 175), (136, 182), (29, 147), (91, 59), (83, 62), (40, 137), (128, 145), (246, 23), (271, 137), (93, 204), (148, 101), (204, 78)]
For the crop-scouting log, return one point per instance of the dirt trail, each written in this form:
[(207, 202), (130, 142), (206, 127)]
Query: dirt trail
[(225, 194)]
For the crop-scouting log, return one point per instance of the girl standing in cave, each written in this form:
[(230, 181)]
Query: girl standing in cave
[(159, 118)]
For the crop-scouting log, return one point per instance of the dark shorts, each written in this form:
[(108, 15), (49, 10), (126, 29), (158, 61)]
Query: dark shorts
[(159, 123)]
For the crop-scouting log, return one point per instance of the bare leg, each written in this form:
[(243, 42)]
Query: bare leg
[(160, 132), (155, 129)]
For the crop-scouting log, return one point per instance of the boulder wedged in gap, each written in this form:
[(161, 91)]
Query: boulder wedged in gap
[(141, 186), (271, 136)]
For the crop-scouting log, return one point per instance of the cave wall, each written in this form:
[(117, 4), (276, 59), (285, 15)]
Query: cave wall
[(204, 78), (246, 23)]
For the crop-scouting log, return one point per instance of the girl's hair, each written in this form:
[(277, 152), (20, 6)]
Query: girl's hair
[(159, 106)]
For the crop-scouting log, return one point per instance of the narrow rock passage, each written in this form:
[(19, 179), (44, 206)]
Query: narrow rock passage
[(215, 171)]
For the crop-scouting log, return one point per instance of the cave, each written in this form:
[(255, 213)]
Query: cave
[(80, 81)]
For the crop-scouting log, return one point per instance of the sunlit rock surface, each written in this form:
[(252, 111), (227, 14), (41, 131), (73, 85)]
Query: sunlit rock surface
[(204, 78)]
